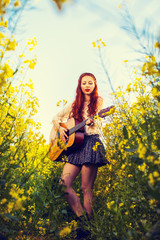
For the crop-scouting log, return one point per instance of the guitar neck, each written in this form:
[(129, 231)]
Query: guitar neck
[(78, 126), (101, 114)]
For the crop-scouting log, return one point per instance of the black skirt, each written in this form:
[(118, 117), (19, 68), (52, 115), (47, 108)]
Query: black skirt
[(90, 152)]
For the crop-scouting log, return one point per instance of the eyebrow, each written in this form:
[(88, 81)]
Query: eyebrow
[(83, 81)]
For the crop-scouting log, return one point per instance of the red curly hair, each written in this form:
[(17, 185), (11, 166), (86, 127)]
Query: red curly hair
[(78, 104)]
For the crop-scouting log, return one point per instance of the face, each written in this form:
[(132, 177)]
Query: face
[(87, 85)]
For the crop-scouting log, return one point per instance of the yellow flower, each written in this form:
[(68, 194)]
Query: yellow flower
[(64, 232), (99, 43), (17, 3), (155, 92), (21, 55), (94, 44), (95, 147), (13, 193), (3, 201), (155, 174), (31, 62), (157, 45), (153, 202), (110, 204), (125, 61), (141, 150), (18, 204), (121, 204), (10, 206), (158, 107), (142, 167), (11, 45), (5, 3), (151, 179), (128, 89), (4, 24)]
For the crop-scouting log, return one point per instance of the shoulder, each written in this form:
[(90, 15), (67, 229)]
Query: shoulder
[(100, 99), (100, 102)]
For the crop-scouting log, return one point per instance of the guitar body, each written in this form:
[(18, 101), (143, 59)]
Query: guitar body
[(75, 135), (74, 140)]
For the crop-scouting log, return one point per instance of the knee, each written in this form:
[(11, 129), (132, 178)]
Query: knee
[(67, 187), (86, 189)]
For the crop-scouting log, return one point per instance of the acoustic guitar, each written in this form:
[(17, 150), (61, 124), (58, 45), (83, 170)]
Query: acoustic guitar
[(75, 132)]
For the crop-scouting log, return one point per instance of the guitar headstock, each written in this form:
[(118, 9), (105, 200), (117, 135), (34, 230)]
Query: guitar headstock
[(106, 111)]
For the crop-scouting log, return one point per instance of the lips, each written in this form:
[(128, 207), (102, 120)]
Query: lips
[(87, 90)]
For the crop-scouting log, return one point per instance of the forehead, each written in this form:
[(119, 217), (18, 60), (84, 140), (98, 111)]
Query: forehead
[(87, 79)]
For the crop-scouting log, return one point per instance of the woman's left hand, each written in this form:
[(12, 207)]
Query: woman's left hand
[(90, 122)]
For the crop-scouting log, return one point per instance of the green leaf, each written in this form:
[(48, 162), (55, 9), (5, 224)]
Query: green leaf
[(125, 132), (10, 217), (136, 159), (130, 149)]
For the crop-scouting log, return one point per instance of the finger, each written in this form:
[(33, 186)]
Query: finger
[(66, 136)]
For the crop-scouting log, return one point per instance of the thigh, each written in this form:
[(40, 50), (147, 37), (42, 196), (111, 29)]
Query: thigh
[(70, 172), (88, 173)]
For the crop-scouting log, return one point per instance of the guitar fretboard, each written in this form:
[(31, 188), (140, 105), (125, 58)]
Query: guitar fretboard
[(78, 126)]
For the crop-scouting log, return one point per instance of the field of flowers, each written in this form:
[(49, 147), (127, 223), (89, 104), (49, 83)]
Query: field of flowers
[(127, 191)]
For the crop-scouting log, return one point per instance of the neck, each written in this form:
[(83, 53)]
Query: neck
[(87, 98)]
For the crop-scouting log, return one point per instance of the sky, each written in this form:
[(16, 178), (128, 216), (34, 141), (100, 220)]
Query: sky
[(65, 50)]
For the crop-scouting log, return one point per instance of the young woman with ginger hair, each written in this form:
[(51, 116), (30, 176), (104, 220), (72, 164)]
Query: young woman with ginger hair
[(83, 159)]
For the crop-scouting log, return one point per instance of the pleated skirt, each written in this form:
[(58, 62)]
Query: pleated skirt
[(90, 152)]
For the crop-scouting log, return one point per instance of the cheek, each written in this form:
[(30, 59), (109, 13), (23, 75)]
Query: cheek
[(82, 88), (93, 87)]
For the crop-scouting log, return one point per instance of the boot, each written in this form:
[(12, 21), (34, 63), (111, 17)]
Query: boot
[(82, 233)]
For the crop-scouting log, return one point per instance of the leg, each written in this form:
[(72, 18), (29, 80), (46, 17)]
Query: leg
[(70, 172), (89, 173)]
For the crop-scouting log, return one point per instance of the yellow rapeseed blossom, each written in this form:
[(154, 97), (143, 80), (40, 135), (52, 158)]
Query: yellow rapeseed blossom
[(64, 232), (158, 107), (151, 179), (153, 202), (95, 147), (128, 89), (155, 174), (11, 44), (32, 43), (18, 204), (3, 201), (142, 167), (110, 204), (94, 44), (5, 3), (6, 71), (157, 44), (99, 43), (17, 3), (121, 204), (4, 24), (155, 92), (141, 150), (31, 62)]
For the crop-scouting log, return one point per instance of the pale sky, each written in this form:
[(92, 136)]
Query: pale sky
[(65, 49)]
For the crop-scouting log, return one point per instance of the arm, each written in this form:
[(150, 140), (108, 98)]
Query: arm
[(60, 117)]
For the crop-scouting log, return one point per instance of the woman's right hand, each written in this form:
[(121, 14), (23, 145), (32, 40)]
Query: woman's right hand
[(63, 134)]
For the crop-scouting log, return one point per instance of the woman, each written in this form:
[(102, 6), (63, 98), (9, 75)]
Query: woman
[(84, 159)]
